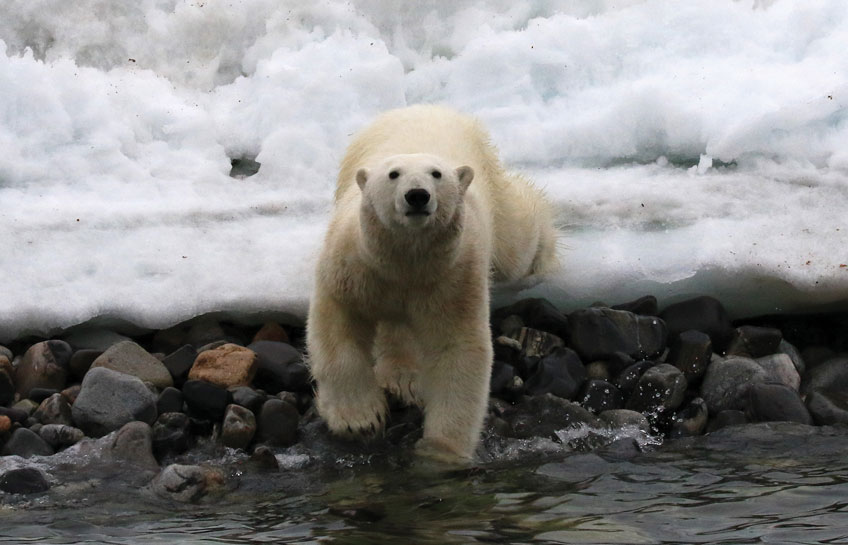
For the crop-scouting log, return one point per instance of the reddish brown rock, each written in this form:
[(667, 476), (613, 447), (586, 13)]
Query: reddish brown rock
[(271, 331), (5, 423), (44, 365), (226, 366)]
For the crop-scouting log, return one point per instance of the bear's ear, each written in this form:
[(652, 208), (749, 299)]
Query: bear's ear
[(361, 177), (464, 174)]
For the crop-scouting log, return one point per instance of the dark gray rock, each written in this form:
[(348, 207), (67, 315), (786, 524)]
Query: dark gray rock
[(690, 352), (545, 416), (179, 363), (54, 410), (24, 480), (660, 389), (830, 375), (827, 407), (40, 394), (726, 383), (690, 421), (238, 428), (281, 367), (502, 379), (644, 306), (704, 314), (263, 459), (628, 378), (725, 419), (171, 434), (780, 369), (133, 444), (59, 436), (95, 339), (754, 342), (170, 401), (776, 403), (14, 414), (26, 443), (7, 388), (560, 373), (598, 396), (622, 419), (188, 483), (597, 333), (793, 353), (205, 400), (109, 399), (815, 355), (248, 398), (81, 361), (537, 314), (44, 365), (277, 424), (130, 358)]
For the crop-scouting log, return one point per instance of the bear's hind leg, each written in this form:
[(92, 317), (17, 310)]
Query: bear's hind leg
[(348, 396)]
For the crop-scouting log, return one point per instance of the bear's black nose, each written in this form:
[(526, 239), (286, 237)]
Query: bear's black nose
[(417, 198)]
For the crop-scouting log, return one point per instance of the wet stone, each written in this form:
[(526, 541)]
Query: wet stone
[(179, 363), (776, 403), (597, 333), (780, 369), (502, 377), (171, 434), (170, 401), (21, 410), (26, 443), (81, 361), (263, 459), (238, 428), (545, 415), (628, 378), (725, 419), (5, 426), (598, 370), (277, 423), (130, 358), (40, 394), (705, 314), (95, 339), (71, 393), (690, 352), (511, 324), (205, 400), (109, 399), (24, 480), (754, 342), (54, 410), (59, 436), (598, 396), (560, 373), (7, 387), (281, 367), (188, 483), (44, 365), (133, 444), (623, 418), (815, 355), (727, 380), (828, 408), (692, 420), (660, 389)]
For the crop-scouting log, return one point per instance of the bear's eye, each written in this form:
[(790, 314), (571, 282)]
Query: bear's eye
[(436, 174), (394, 174)]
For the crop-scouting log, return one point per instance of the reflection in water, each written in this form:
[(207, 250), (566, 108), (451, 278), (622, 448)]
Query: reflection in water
[(786, 484)]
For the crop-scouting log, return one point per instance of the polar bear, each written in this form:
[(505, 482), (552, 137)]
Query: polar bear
[(424, 218)]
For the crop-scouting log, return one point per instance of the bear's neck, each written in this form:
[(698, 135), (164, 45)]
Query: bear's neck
[(411, 255)]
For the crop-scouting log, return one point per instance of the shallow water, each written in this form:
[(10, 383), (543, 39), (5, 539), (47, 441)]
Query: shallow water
[(767, 483)]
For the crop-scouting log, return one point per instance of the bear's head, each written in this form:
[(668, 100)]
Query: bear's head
[(414, 190)]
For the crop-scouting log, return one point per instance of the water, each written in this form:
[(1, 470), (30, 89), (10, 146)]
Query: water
[(767, 483)]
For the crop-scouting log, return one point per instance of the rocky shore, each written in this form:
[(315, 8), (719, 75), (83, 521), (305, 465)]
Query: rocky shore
[(164, 408)]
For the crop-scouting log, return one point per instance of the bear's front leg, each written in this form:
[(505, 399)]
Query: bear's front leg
[(455, 391), (348, 396)]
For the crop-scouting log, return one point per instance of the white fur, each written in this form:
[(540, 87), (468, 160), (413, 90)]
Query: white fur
[(401, 301)]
